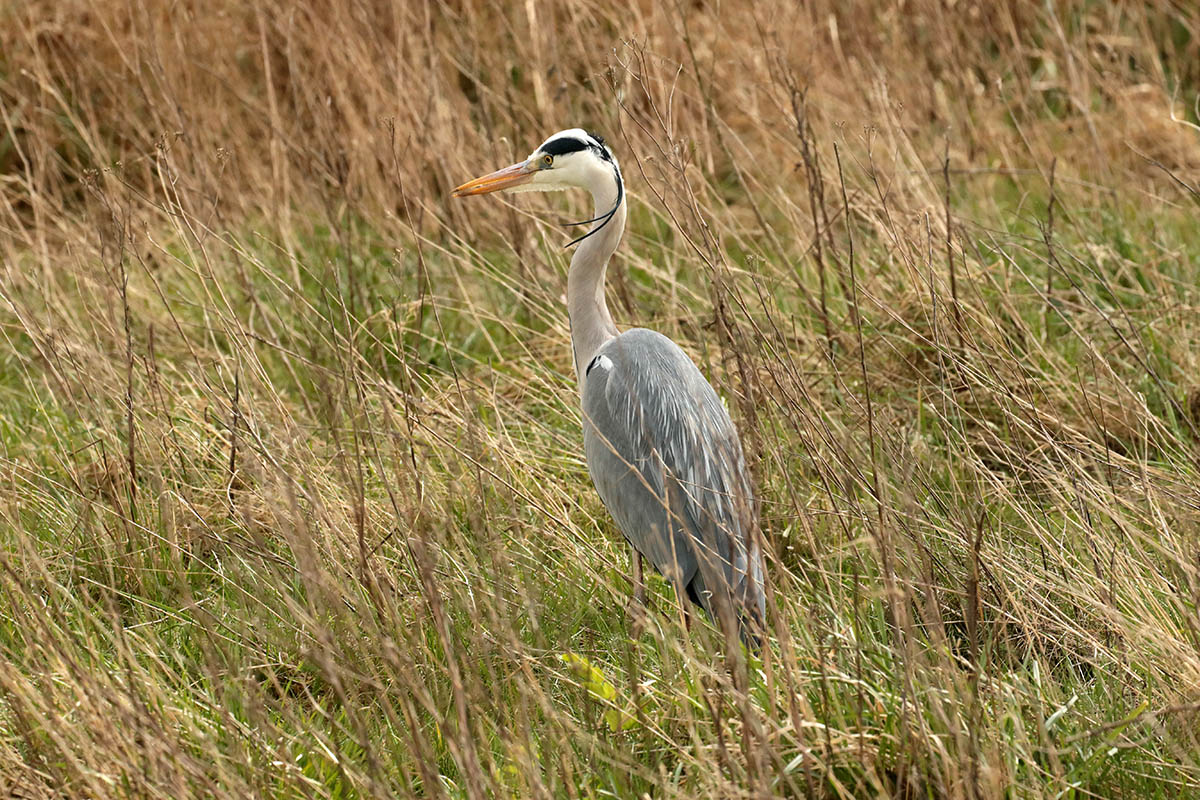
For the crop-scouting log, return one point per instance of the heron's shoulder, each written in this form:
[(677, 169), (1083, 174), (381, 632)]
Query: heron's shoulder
[(645, 351), (642, 337), (644, 368)]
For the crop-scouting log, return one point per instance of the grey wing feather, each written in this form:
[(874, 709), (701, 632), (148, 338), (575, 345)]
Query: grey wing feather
[(667, 462)]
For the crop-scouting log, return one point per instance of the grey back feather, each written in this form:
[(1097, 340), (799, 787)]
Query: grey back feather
[(668, 464)]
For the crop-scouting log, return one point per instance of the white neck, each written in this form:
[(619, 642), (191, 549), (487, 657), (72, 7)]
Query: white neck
[(591, 324)]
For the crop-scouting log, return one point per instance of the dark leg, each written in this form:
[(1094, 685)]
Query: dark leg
[(639, 580), (637, 604)]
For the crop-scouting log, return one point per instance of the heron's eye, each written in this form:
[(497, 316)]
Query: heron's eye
[(547, 162)]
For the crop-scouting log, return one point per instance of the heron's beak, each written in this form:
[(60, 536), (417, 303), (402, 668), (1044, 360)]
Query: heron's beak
[(506, 178)]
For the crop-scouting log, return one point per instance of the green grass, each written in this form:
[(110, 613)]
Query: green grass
[(321, 527), (267, 643)]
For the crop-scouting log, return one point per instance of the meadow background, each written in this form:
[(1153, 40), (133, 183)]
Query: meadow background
[(292, 499)]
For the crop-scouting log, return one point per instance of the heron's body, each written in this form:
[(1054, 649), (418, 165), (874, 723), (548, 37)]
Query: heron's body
[(667, 462), (661, 449)]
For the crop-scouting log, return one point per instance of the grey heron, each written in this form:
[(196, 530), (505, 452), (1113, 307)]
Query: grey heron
[(662, 451)]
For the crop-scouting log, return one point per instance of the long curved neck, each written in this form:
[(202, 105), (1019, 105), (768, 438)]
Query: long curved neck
[(591, 324)]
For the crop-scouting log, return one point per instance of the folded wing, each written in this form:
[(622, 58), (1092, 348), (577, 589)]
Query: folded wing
[(668, 464)]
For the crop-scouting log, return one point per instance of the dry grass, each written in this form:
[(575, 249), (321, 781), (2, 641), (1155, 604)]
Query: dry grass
[(294, 502)]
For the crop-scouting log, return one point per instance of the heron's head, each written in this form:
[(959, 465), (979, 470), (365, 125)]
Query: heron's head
[(570, 158)]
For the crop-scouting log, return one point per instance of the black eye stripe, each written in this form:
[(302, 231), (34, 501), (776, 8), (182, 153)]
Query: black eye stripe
[(563, 145), (570, 144)]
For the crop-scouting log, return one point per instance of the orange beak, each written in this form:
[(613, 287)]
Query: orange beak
[(506, 178)]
